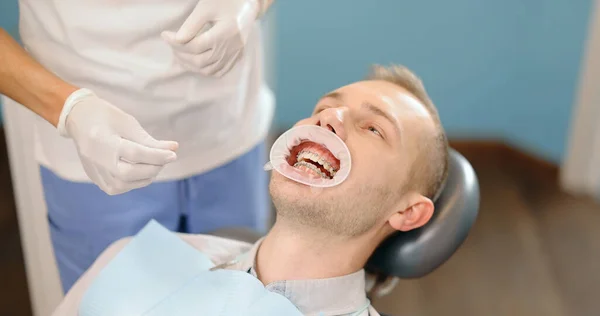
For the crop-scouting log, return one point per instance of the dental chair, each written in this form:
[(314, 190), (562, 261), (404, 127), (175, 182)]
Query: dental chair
[(416, 253)]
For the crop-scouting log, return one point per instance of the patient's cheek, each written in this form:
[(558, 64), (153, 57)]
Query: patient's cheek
[(278, 181)]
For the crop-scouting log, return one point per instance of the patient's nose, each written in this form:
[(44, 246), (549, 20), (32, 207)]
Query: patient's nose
[(333, 120)]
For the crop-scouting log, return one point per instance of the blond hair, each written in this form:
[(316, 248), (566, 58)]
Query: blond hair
[(430, 168)]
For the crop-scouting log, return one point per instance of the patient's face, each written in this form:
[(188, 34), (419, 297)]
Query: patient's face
[(381, 124)]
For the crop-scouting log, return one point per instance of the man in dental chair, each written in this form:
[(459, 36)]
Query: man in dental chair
[(315, 253)]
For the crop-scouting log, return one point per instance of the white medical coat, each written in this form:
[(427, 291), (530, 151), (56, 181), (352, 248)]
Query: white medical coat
[(114, 48)]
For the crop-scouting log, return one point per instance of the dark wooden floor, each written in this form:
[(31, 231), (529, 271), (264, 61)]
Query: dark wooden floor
[(532, 251)]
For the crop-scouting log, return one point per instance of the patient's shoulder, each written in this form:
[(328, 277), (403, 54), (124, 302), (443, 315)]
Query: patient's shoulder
[(218, 249), (112, 250), (208, 244)]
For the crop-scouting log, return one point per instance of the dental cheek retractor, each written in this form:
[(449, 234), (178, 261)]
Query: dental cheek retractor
[(285, 144)]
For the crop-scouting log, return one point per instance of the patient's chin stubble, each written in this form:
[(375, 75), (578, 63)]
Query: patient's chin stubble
[(346, 217)]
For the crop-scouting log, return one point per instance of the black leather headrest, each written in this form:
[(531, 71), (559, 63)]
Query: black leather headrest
[(418, 252)]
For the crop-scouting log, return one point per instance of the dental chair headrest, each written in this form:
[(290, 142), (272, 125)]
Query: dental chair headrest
[(418, 252)]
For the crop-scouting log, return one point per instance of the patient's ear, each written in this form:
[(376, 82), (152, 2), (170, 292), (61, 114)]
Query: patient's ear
[(417, 214)]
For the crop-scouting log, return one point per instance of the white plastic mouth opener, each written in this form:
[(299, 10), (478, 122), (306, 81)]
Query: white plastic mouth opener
[(287, 141)]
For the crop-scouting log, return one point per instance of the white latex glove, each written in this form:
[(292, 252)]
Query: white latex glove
[(116, 152), (215, 51)]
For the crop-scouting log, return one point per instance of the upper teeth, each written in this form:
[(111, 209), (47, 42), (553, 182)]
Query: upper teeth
[(316, 158)]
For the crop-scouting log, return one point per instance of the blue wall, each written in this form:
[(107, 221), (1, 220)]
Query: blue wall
[(551, 49), (496, 69), (9, 16)]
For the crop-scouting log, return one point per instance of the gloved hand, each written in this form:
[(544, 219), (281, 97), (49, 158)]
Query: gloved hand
[(215, 51), (116, 152)]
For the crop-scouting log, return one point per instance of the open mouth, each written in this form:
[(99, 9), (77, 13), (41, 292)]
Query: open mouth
[(314, 159)]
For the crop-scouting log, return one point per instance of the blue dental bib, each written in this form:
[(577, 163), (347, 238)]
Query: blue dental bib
[(159, 274)]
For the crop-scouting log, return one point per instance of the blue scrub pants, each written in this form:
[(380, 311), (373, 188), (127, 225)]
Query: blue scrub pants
[(84, 220)]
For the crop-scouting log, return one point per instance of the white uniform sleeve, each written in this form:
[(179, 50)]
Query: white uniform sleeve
[(218, 249)]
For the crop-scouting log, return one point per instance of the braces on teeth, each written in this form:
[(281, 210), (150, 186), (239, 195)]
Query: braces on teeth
[(307, 155), (310, 168)]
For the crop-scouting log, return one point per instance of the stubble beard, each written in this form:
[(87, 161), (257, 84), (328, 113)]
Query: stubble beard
[(321, 211)]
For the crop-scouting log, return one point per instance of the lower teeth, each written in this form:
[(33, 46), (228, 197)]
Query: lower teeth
[(311, 167)]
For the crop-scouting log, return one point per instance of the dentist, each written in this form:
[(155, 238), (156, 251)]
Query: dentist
[(146, 110)]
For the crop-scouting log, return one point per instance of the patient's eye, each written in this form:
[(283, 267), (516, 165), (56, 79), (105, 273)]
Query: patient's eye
[(375, 131)]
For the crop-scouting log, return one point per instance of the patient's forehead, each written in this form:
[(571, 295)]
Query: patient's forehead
[(388, 96)]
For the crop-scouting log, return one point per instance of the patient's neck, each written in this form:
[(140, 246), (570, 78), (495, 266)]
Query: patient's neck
[(291, 253)]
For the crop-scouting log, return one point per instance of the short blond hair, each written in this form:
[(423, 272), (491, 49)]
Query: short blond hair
[(430, 168)]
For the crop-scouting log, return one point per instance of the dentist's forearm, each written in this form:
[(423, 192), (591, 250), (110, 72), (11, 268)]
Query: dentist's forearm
[(27, 82)]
